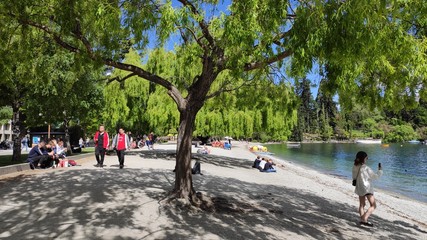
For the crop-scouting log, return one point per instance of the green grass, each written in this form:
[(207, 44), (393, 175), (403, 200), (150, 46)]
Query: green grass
[(6, 160), (86, 150)]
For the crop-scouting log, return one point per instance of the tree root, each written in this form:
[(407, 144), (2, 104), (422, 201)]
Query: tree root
[(203, 203)]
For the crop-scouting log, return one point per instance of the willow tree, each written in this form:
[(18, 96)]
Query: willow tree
[(368, 47)]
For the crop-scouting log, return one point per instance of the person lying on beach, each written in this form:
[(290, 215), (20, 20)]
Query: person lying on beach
[(256, 162), (363, 175)]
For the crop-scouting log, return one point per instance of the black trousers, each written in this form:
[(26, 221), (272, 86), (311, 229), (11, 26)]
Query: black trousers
[(41, 159), (121, 156), (100, 154)]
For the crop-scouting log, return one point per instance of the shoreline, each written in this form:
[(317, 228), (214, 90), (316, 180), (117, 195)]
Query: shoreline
[(345, 183), (112, 203), (343, 177), (338, 176), (346, 180)]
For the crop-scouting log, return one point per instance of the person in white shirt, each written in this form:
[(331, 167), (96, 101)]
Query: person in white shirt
[(262, 164), (364, 189), (81, 143)]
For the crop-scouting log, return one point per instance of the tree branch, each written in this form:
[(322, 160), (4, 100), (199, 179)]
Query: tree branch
[(55, 36), (135, 71), (291, 16), (118, 79), (79, 35), (202, 23), (223, 89), (281, 36), (203, 46), (260, 64)]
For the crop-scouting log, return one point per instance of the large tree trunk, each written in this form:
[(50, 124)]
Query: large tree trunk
[(16, 132), (183, 176)]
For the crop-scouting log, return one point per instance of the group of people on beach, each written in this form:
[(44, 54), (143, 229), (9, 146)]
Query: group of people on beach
[(46, 155), (362, 180), (264, 165), (204, 150)]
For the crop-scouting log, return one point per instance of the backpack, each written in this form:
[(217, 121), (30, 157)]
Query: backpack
[(196, 168), (72, 163)]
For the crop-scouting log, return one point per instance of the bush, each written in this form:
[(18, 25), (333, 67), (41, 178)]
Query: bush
[(357, 134), (422, 133), (401, 133), (377, 133)]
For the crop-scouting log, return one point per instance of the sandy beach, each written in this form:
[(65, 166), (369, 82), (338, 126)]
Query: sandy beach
[(85, 202)]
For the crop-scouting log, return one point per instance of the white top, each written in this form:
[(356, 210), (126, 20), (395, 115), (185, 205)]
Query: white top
[(363, 182), (59, 150), (262, 164)]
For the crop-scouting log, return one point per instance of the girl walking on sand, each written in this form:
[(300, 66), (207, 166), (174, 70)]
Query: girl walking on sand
[(364, 175)]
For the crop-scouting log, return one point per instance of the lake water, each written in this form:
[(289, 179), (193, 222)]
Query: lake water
[(404, 165)]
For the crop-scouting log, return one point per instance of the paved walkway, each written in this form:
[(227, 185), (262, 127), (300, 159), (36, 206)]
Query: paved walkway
[(10, 151)]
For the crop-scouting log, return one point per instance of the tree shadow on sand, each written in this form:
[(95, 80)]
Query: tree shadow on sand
[(114, 203)]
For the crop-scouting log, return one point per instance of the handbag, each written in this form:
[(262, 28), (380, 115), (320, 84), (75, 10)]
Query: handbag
[(355, 180)]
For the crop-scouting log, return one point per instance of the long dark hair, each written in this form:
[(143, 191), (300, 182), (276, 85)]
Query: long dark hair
[(360, 158)]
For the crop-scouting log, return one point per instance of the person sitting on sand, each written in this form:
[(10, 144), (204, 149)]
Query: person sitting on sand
[(262, 164), (204, 150), (256, 162), (363, 175), (269, 166)]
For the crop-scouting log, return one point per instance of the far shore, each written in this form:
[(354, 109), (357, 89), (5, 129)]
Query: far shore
[(85, 202)]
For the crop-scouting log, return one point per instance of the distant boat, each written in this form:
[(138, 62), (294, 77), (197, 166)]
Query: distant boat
[(369, 141), (293, 145), (264, 153), (385, 145), (414, 142)]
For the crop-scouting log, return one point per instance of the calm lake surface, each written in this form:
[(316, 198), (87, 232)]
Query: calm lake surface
[(404, 165)]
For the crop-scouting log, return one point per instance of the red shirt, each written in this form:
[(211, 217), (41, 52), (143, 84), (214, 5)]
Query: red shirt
[(121, 142)]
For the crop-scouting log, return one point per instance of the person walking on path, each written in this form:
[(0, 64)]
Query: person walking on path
[(81, 143), (364, 189), (25, 143), (102, 141), (121, 143)]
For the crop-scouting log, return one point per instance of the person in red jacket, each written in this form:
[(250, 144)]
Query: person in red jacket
[(102, 141), (121, 143)]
